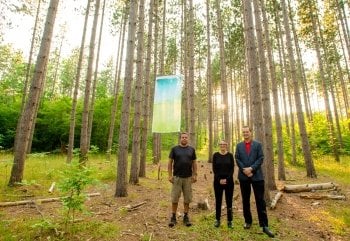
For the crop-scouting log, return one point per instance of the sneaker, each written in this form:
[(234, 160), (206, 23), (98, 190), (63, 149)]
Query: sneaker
[(229, 224), (187, 221), (172, 221), (217, 223)]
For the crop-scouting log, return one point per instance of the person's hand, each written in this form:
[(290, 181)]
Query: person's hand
[(223, 181), (171, 179), (194, 178), (248, 171)]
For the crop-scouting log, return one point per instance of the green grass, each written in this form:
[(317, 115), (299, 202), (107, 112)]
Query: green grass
[(41, 170), (203, 230), (32, 229), (340, 171)]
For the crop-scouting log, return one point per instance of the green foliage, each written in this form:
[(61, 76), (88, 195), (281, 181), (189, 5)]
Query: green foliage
[(52, 127), (12, 73), (75, 179), (8, 121), (100, 125), (67, 74), (319, 135)]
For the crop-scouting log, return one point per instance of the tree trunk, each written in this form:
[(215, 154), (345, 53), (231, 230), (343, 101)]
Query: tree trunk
[(28, 115), (93, 95), (223, 80), (147, 94), (116, 84), (318, 40), (122, 165), (300, 65), (84, 138), (310, 168), (135, 158), (266, 103), (210, 88), (191, 94), (156, 136), (272, 71), (76, 88)]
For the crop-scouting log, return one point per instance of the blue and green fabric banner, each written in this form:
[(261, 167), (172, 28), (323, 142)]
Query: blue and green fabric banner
[(167, 104)]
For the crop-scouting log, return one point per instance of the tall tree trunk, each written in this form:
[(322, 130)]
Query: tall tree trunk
[(266, 103), (210, 88), (223, 80), (272, 71), (146, 93), (122, 166), (76, 88), (84, 139), (28, 76), (344, 25), (318, 40), (135, 158), (300, 65), (28, 115), (284, 76), (117, 81), (29, 65), (191, 94), (253, 73), (93, 95), (156, 136), (310, 168)]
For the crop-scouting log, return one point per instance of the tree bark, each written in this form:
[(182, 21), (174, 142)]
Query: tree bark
[(310, 168), (76, 88), (116, 84), (147, 94), (84, 139), (308, 187), (210, 88), (135, 157), (223, 81), (122, 158), (29, 113)]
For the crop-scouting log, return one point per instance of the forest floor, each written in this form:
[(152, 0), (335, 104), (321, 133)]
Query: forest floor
[(109, 219)]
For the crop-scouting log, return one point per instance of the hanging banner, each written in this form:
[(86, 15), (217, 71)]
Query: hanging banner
[(167, 104)]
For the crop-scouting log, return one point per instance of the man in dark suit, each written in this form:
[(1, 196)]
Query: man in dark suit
[(249, 157)]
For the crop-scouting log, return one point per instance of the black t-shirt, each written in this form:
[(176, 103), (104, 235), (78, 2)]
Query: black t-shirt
[(183, 157), (223, 166)]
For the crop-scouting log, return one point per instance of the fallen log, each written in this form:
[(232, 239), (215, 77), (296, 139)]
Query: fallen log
[(308, 187), (42, 200), (325, 196), (275, 200)]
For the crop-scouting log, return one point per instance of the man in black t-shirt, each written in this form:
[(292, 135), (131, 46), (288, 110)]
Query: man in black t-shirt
[(182, 170)]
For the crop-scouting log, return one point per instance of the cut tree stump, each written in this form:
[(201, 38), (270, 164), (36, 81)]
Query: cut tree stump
[(308, 187), (203, 204), (324, 196), (52, 187), (275, 200), (39, 201)]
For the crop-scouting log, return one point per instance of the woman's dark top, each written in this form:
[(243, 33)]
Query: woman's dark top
[(223, 166)]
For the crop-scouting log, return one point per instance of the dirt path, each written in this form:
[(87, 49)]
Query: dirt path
[(293, 219)]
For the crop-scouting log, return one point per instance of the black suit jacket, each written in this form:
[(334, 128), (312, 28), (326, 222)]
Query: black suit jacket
[(253, 160)]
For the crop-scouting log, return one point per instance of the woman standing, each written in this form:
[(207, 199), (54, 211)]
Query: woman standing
[(223, 167)]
